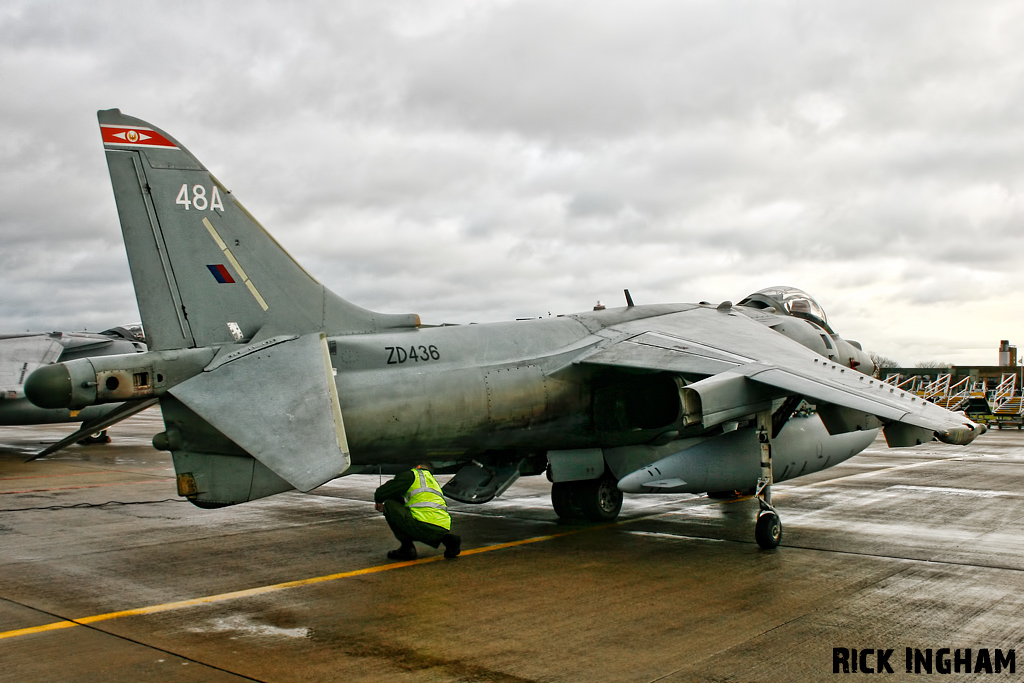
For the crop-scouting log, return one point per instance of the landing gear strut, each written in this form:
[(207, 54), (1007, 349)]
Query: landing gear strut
[(596, 500), (768, 530)]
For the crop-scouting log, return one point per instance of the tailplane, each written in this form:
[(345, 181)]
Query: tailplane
[(205, 271)]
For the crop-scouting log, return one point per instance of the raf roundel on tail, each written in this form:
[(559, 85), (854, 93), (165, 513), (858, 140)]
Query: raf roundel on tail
[(268, 381)]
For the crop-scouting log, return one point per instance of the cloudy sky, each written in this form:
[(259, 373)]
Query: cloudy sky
[(480, 161)]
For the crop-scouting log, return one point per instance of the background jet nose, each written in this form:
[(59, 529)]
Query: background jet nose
[(49, 387)]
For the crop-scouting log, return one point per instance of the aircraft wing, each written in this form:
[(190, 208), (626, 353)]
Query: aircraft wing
[(19, 356), (741, 365)]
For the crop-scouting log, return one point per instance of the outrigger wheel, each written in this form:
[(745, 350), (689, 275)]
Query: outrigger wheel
[(98, 437), (768, 530)]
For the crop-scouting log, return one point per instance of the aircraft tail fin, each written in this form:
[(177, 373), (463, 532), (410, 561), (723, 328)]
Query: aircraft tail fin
[(205, 271)]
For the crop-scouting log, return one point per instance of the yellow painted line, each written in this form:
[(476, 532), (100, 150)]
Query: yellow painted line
[(214, 235), (234, 263), (256, 294), (262, 590), (37, 629), (535, 539)]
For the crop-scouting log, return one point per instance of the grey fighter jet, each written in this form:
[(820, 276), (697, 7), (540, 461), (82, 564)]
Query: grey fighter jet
[(21, 354), (269, 382)]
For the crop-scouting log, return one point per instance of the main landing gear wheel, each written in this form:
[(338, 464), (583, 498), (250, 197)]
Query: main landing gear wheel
[(565, 500), (768, 531), (596, 500), (98, 437), (602, 500)]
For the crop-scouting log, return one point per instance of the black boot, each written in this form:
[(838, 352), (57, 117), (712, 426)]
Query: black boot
[(452, 545), (406, 552)]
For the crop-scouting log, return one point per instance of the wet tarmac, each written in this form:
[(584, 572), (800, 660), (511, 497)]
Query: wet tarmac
[(105, 576)]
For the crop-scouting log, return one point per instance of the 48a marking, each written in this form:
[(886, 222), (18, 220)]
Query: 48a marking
[(199, 201), (418, 354)]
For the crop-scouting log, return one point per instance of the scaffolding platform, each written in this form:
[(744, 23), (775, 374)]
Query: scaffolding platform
[(999, 407)]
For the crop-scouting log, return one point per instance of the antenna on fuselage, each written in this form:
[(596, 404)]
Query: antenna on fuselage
[(629, 299)]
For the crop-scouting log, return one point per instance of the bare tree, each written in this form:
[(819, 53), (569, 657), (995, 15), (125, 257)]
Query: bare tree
[(937, 364), (882, 364)]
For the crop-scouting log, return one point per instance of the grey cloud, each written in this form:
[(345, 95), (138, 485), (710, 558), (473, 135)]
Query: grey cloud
[(488, 160)]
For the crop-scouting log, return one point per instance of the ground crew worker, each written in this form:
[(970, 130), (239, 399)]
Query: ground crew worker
[(415, 510)]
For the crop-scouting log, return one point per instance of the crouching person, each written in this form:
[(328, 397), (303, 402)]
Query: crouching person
[(415, 510)]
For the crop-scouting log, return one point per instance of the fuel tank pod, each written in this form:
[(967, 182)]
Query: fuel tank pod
[(732, 461)]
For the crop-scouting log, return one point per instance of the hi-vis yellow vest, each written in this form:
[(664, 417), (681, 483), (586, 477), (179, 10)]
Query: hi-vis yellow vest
[(425, 501)]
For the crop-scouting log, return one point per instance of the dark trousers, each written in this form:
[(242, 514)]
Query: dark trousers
[(407, 528)]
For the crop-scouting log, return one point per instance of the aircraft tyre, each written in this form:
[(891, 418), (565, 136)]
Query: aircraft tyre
[(565, 499), (98, 437), (768, 531), (595, 500), (601, 498)]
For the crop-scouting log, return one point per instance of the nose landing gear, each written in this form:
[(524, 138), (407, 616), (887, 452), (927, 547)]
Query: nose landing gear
[(768, 530)]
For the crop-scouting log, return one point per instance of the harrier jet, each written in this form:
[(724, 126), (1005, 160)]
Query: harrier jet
[(20, 354), (268, 381)]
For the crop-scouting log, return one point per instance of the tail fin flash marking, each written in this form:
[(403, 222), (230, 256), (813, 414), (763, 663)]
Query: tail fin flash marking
[(221, 274), (123, 136), (234, 263)]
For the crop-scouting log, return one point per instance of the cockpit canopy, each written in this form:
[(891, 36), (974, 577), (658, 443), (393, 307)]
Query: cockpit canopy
[(131, 332), (791, 300)]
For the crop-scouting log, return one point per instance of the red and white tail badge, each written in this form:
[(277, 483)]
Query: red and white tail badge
[(124, 136)]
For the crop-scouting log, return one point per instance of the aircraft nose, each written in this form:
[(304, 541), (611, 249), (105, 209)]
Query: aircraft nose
[(49, 387)]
